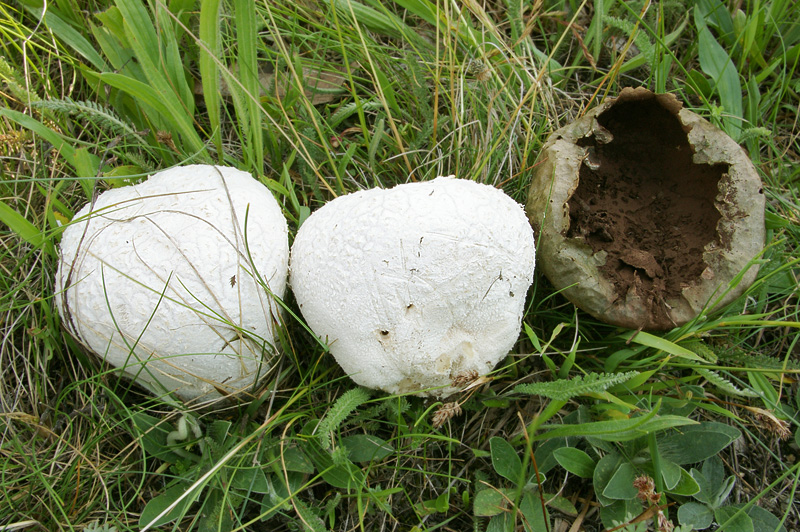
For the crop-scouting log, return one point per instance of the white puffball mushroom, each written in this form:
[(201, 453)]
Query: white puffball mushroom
[(417, 286), (166, 280)]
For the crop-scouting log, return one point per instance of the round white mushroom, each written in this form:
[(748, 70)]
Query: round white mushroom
[(170, 280), (418, 286)]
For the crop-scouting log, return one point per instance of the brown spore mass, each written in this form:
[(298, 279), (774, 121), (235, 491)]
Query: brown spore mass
[(643, 201)]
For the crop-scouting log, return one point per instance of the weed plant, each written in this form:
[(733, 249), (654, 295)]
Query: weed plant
[(583, 426)]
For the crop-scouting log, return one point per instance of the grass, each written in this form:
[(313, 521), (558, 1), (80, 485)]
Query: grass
[(319, 99)]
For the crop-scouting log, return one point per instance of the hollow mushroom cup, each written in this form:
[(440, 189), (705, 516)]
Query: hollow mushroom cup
[(415, 287), (646, 214), (172, 280)]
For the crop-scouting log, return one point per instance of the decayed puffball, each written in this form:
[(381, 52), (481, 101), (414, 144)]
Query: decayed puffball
[(416, 286), (165, 279), (646, 213)]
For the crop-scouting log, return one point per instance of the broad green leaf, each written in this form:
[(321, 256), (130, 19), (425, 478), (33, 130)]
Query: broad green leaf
[(114, 23), (714, 471), (250, 479), (160, 503), (732, 519), (295, 460), (620, 486), (763, 520), (619, 512), (277, 497), (575, 461), (153, 433), (603, 473), (124, 175), (545, 454), (366, 448), (717, 64), (714, 487), (717, 15), (505, 460), (562, 504), (656, 342), (86, 164), (491, 501), (686, 487), (141, 34), (500, 523), (699, 516), (670, 473), (696, 443), (535, 518)]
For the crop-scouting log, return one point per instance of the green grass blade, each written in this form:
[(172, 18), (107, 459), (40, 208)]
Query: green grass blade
[(72, 38), (167, 107), (424, 9), (248, 76), (168, 93), (22, 227), (717, 64), (170, 58), (656, 342), (209, 69)]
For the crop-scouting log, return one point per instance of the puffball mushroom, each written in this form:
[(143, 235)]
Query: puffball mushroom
[(416, 286), (165, 279), (646, 213)]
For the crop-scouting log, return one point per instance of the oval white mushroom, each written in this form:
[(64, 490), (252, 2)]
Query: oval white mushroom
[(417, 286), (166, 279)]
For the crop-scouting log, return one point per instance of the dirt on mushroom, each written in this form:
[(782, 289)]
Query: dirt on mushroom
[(643, 201)]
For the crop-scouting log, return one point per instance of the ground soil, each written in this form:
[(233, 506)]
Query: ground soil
[(641, 199)]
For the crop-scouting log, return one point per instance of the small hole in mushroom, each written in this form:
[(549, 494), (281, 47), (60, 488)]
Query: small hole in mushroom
[(384, 333)]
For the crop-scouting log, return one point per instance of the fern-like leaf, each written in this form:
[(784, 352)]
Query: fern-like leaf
[(342, 408), (566, 389), (90, 111), (628, 28), (724, 384), (15, 82), (746, 360), (702, 349)]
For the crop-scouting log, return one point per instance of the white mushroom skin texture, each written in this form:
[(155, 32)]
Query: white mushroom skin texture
[(415, 286), (157, 279)]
